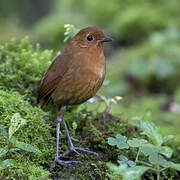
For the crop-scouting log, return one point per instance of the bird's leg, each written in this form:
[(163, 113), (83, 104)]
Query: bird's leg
[(72, 148), (58, 122)]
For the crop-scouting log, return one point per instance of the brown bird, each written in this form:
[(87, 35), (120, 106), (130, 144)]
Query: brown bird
[(74, 77)]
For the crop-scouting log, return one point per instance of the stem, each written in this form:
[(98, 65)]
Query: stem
[(145, 163), (158, 170), (137, 156), (163, 169), (142, 162), (158, 173)]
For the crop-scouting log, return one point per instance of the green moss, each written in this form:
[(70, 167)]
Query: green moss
[(22, 66), (25, 170), (35, 132), (38, 132), (91, 132)]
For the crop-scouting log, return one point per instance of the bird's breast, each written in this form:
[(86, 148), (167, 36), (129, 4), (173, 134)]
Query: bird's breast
[(81, 82)]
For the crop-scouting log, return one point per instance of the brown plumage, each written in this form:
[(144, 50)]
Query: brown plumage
[(76, 75)]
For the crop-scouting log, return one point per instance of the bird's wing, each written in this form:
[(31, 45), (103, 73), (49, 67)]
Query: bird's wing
[(51, 78)]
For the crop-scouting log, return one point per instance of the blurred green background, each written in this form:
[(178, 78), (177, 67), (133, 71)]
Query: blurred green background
[(143, 62)]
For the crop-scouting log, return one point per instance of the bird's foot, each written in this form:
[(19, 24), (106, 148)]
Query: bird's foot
[(76, 149), (64, 163)]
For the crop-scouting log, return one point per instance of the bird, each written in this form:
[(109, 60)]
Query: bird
[(74, 77)]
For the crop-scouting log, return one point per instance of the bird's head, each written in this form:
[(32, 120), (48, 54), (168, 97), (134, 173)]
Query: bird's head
[(90, 37)]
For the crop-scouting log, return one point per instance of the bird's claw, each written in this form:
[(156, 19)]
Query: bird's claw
[(67, 163), (64, 163), (76, 149), (86, 150), (70, 163)]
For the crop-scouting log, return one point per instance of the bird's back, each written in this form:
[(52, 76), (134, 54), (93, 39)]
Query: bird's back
[(52, 77)]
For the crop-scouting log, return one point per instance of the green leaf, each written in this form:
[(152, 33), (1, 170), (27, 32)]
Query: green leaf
[(166, 151), (175, 166), (148, 149), (122, 162), (131, 163), (167, 138), (153, 158), (128, 173), (6, 163), (14, 149), (3, 132), (112, 141), (114, 167), (163, 162), (16, 122), (136, 142), (158, 160), (24, 146), (3, 152), (122, 158), (119, 141), (150, 130), (151, 151)]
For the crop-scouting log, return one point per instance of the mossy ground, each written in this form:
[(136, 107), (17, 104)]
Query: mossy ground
[(40, 131), (21, 68)]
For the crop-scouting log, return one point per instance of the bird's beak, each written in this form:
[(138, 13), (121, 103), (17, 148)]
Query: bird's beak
[(105, 39)]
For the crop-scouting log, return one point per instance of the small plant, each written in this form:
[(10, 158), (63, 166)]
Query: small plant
[(103, 104), (71, 30), (152, 149), (13, 145)]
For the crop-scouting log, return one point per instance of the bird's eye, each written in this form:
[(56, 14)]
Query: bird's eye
[(89, 38)]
